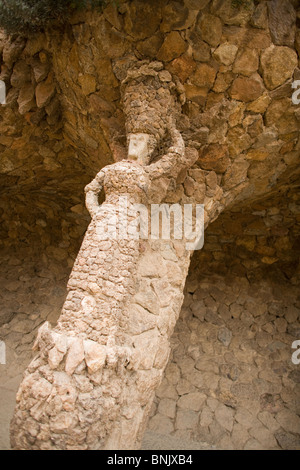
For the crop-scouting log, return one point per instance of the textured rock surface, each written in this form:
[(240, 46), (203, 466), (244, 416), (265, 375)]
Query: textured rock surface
[(231, 348)]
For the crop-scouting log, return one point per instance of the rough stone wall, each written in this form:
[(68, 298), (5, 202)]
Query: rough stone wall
[(230, 381), (238, 112)]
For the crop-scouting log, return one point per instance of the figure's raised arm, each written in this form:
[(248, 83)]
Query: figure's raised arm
[(176, 159), (92, 191)]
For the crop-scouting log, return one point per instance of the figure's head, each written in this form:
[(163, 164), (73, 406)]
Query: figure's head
[(140, 147)]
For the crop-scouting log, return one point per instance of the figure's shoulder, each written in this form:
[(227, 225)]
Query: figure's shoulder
[(127, 165), (120, 163)]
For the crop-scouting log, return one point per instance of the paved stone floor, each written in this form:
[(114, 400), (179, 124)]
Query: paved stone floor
[(32, 291), (230, 382)]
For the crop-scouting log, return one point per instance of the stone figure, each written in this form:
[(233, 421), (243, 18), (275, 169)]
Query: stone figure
[(93, 380)]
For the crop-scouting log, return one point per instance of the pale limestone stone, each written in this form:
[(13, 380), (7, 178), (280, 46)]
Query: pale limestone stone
[(206, 417), (264, 437), (289, 421), (161, 424), (55, 358), (94, 355), (75, 356), (192, 401), (224, 417), (186, 419), (269, 421), (226, 53), (167, 407)]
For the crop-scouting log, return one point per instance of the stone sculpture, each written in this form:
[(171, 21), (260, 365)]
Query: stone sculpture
[(92, 383)]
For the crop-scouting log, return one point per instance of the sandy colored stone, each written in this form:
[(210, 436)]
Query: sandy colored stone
[(40, 69), (214, 157), (224, 336), (44, 92), (210, 29), (259, 19), (26, 100), (264, 437), (246, 62), (287, 441), (223, 81), (21, 74), (55, 358), (253, 444), (260, 104), (167, 407), (269, 421), (75, 356), (257, 154), (224, 417), (247, 88), (225, 53), (192, 401), (172, 47), (278, 64), (292, 314), (204, 76), (161, 424), (201, 50), (236, 174), (183, 67), (289, 421), (245, 418), (196, 94), (94, 355), (206, 416), (88, 83), (239, 436), (186, 419), (276, 110), (184, 386)]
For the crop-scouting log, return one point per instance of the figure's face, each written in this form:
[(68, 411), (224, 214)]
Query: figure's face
[(139, 148)]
